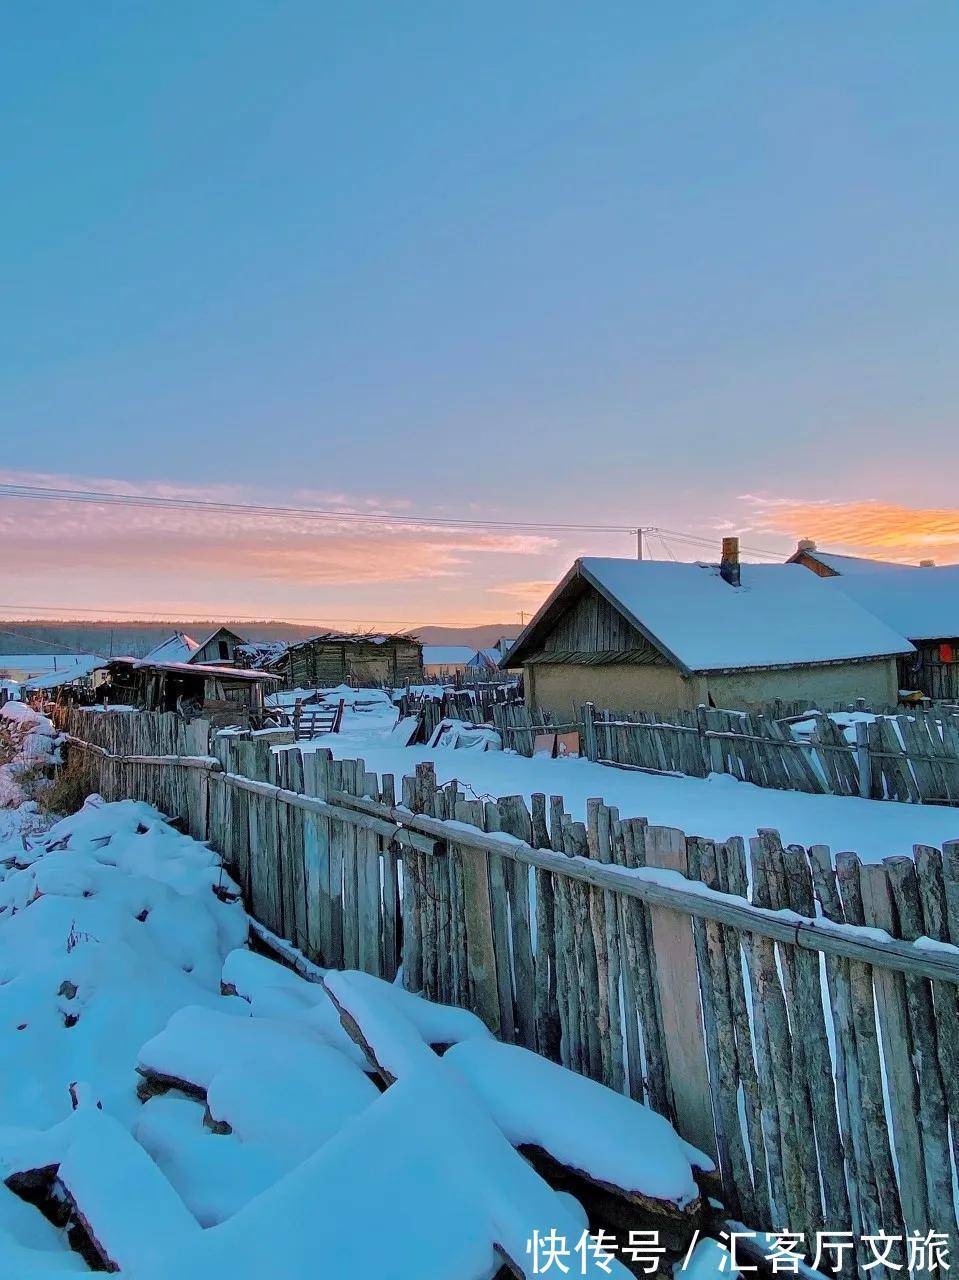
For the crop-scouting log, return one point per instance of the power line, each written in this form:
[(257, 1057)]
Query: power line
[(98, 497), (102, 498), (694, 540)]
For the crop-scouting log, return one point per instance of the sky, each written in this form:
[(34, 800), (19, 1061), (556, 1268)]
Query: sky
[(687, 266)]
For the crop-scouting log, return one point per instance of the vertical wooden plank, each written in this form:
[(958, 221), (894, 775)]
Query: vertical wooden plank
[(391, 891), (678, 979), (316, 858), (897, 1047), (720, 1041), (816, 1062), (575, 844), (875, 1123), (864, 1197), (480, 953), (774, 1060), (626, 947), (409, 887), (499, 903), (933, 1114), (545, 963), (515, 821), (770, 862), (642, 963), (369, 902), (730, 878)]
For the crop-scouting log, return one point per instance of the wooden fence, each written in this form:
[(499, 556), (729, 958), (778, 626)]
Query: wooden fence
[(745, 993), (912, 756)]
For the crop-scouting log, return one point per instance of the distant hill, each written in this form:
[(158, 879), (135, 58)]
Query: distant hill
[(134, 639)]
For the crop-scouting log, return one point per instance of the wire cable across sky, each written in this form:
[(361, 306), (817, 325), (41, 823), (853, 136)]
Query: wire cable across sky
[(102, 497)]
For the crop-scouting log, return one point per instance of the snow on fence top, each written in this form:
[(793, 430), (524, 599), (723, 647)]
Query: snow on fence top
[(780, 615)]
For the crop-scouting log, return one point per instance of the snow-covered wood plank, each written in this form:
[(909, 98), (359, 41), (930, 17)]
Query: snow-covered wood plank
[(125, 1205)]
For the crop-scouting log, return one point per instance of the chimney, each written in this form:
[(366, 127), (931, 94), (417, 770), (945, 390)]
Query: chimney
[(806, 544), (729, 564), (927, 564)]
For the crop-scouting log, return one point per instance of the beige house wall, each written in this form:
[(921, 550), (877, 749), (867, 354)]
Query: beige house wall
[(560, 688), (874, 680)]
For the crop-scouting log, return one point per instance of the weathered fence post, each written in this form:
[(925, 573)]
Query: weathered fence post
[(862, 759), (589, 731)]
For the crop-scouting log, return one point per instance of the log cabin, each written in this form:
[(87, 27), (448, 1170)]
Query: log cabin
[(920, 601), (637, 635), (340, 657)]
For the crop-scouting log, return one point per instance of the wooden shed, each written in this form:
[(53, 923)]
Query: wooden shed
[(339, 657), (633, 635), (224, 695), (920, 601)]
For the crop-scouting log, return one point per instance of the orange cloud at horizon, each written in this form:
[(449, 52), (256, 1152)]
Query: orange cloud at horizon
[(884, 530)]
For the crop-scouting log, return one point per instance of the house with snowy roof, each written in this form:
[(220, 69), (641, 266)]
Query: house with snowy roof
[(919, 601), (441, 660), (633, 635)]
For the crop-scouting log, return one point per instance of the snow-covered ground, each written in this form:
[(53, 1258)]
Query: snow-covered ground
[(718, 806), (257, 1143)]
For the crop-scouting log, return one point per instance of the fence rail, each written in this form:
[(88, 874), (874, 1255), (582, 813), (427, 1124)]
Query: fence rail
[(746, 993)]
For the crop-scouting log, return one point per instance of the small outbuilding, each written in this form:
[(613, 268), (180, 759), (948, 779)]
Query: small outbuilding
[(220, 647), (442, 660), (920, 601), (340, 657), (223, 695), (636, 635)]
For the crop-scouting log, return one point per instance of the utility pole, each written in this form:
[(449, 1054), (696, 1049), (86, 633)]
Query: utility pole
[(639, 544)]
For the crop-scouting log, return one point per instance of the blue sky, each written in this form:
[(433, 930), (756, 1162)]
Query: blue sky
[(688, 265)]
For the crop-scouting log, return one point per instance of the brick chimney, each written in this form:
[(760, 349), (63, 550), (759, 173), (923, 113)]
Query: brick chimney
[(806, 544), (729, 564)]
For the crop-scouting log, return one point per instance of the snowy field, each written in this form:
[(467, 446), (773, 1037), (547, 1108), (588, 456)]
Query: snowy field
[(717, 807)]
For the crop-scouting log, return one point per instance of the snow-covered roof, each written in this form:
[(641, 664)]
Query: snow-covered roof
[(447, 655), (84, 666), (176, 648), (780, 615), (922, 604), (854, 565), (38, 664), (195, 669)]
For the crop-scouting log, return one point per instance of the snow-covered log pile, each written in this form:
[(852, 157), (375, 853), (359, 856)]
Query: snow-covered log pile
[(28, 742), (176, 1104)]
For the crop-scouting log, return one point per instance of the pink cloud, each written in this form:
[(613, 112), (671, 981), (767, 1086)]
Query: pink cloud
[(93, 539)]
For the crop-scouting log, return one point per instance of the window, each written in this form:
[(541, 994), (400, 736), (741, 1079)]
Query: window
[(224, 649)]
